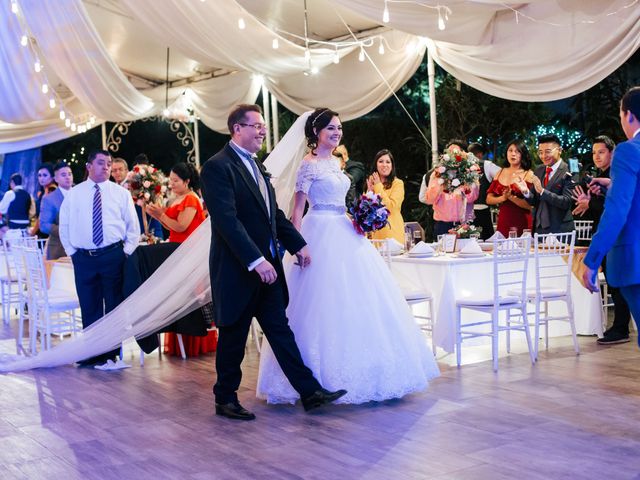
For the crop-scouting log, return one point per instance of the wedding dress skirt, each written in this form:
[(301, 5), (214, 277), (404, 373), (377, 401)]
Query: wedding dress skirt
[(351, 322)]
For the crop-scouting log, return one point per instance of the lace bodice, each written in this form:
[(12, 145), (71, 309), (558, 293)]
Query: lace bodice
[(323, 182)]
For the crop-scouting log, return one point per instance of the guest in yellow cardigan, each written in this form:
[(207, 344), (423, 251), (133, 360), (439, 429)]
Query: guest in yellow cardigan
[(383, 181)]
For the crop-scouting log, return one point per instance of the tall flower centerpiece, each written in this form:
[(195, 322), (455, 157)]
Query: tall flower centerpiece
[(457, 171), (369, 213), (147, 185)]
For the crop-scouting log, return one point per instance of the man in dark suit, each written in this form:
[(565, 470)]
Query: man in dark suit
[(481, 210), (50, 210), (590, 206), (619, 229), (553, 186), (247, 278)]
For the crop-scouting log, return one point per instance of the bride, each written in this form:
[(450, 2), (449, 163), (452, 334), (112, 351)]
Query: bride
[(351, 322)]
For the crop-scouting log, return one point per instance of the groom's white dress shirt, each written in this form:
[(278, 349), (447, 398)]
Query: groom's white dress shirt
[(119, 219)]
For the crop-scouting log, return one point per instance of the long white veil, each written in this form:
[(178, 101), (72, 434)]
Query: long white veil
[(180, 285)]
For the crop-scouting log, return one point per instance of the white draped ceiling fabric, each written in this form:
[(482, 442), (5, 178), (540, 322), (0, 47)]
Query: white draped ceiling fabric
[(100, 56)]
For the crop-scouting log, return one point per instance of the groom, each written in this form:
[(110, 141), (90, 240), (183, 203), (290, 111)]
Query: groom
[(247, 279)]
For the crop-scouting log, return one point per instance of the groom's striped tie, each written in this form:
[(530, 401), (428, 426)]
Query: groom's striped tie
[(97, 217)]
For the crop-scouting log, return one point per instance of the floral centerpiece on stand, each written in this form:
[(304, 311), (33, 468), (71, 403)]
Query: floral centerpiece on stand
[(369, 213), (466, 230), (147, 185), (457, 171)]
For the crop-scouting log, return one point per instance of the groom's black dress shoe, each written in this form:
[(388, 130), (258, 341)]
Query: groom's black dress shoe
[(234, 411), (321, 397)]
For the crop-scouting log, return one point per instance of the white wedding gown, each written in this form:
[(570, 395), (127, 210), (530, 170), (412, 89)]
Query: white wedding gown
[(351, 322)]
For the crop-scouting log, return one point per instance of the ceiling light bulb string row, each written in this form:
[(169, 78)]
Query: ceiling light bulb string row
[(79, 123), (519, 14), (443, 11), (386, 82)]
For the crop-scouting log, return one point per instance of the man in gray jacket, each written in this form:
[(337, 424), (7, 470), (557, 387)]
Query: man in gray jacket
[(50, 210)]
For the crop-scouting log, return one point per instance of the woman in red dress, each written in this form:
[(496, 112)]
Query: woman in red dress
[(181, 218), (514, 211)]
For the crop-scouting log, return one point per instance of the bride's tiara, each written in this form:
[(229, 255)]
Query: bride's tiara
[(313, 122)]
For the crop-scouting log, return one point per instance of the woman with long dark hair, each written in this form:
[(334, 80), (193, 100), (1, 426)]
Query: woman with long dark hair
[(384, 182)]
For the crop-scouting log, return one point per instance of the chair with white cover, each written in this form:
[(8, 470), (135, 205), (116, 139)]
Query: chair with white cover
[(411, 295), (510, 263), (553, 254), (16, 258), (51, 311), (584, 229), (9, 290)]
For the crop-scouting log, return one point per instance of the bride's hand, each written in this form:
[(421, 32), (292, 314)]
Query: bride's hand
[(304, 259)]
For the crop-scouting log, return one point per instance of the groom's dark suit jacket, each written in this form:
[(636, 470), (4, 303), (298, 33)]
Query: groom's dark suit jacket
[(552, 209), (241, 232)]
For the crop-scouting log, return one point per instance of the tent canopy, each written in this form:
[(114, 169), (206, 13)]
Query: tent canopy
[(106, 60)]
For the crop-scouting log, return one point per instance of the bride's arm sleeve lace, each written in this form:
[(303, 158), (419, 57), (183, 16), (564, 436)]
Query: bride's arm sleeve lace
[(306, 176)]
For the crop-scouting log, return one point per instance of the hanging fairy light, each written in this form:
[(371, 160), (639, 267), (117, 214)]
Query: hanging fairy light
[(361, 54), (441, 24), (67, 122), (62, 115), (381, 47), (14, 6), (37, 66), (336, 57), (73, 127), (275, 44), (241, 24), (385, 13), (45, 88), (52, 103), (24, 40), (314, 70), (307, 54)]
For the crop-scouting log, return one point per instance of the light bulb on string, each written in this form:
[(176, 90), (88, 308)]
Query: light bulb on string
[(241, 24), (165, 112), (385, 13), (361, 54), (441, 24), (67, 122), (336, 57), (24, 40), (381, 47), (73, 127), (14, 7), (275, 44), (62, 115), (87, 125), (37, 66), (92, 119), (45, 88), (314, 70), (307, 54), (52, 103)]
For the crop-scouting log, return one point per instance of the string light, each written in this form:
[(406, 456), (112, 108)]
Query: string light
[(73, 127), (361, 55), (519, 14), (441, 24), (275, 44), (381, 47), (314, 70), (336, 57), (241, 24), (52, 103), (67, 122), (45, 88), (14, 7), (307, 54), (24, 40), (62, 115), (165, 112), (385, 13), (37, 66)]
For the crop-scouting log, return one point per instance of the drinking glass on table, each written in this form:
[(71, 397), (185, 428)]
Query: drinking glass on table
[(440, 245), (526, 232), (513, 232)]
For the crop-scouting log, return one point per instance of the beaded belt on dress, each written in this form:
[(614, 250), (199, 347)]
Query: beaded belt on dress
[(341, 209)]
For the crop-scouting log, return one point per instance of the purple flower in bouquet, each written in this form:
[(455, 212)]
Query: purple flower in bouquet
[(369, 213)]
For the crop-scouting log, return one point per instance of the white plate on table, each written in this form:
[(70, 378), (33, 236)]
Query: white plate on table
[(420, 255), (396, 253), (486, 246), (470, 255)]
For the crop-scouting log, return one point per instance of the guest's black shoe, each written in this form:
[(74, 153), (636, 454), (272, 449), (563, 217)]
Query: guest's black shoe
[(234, 411), (321, 397), (613, 338)]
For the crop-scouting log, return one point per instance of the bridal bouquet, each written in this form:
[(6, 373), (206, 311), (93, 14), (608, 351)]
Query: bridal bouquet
[(369, 213), (457, 169), (147, 184), (466, 230)]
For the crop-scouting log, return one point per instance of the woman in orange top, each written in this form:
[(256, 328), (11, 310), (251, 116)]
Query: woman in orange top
[(182, 217)]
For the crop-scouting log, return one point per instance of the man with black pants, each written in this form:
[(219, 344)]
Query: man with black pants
[(481, 210), (16, 204), (98, 229), (590, 204)]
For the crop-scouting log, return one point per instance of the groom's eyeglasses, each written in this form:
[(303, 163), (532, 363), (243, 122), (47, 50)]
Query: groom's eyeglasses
[(256, 126)]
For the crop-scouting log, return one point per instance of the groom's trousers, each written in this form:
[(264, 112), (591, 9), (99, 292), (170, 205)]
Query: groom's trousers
[(268, 308)]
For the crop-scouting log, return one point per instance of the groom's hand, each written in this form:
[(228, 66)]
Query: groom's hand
[(267, 272), (304, 259)]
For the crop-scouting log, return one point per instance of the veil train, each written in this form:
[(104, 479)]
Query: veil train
[(180, 285)]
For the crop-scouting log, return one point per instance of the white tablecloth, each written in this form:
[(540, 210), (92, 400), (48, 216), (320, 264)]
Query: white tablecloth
[(62, 277), (448, 278)]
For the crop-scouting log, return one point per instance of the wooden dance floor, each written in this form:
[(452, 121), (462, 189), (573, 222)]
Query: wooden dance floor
[(567, 417)]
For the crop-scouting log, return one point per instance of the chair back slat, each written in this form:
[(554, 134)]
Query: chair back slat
[(510, 263), (583, 229), (554, 257), (36, 274)]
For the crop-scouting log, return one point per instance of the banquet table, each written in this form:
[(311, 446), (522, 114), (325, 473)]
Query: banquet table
[(449, 277)]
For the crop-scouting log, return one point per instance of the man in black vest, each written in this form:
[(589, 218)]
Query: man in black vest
[(16, 204)]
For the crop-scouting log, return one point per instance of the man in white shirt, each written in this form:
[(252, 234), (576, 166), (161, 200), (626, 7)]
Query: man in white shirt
[(98, 229), (17, 204), (119, 171)]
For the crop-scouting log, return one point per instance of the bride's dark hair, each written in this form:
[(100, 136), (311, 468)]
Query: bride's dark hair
[(318, 120)]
